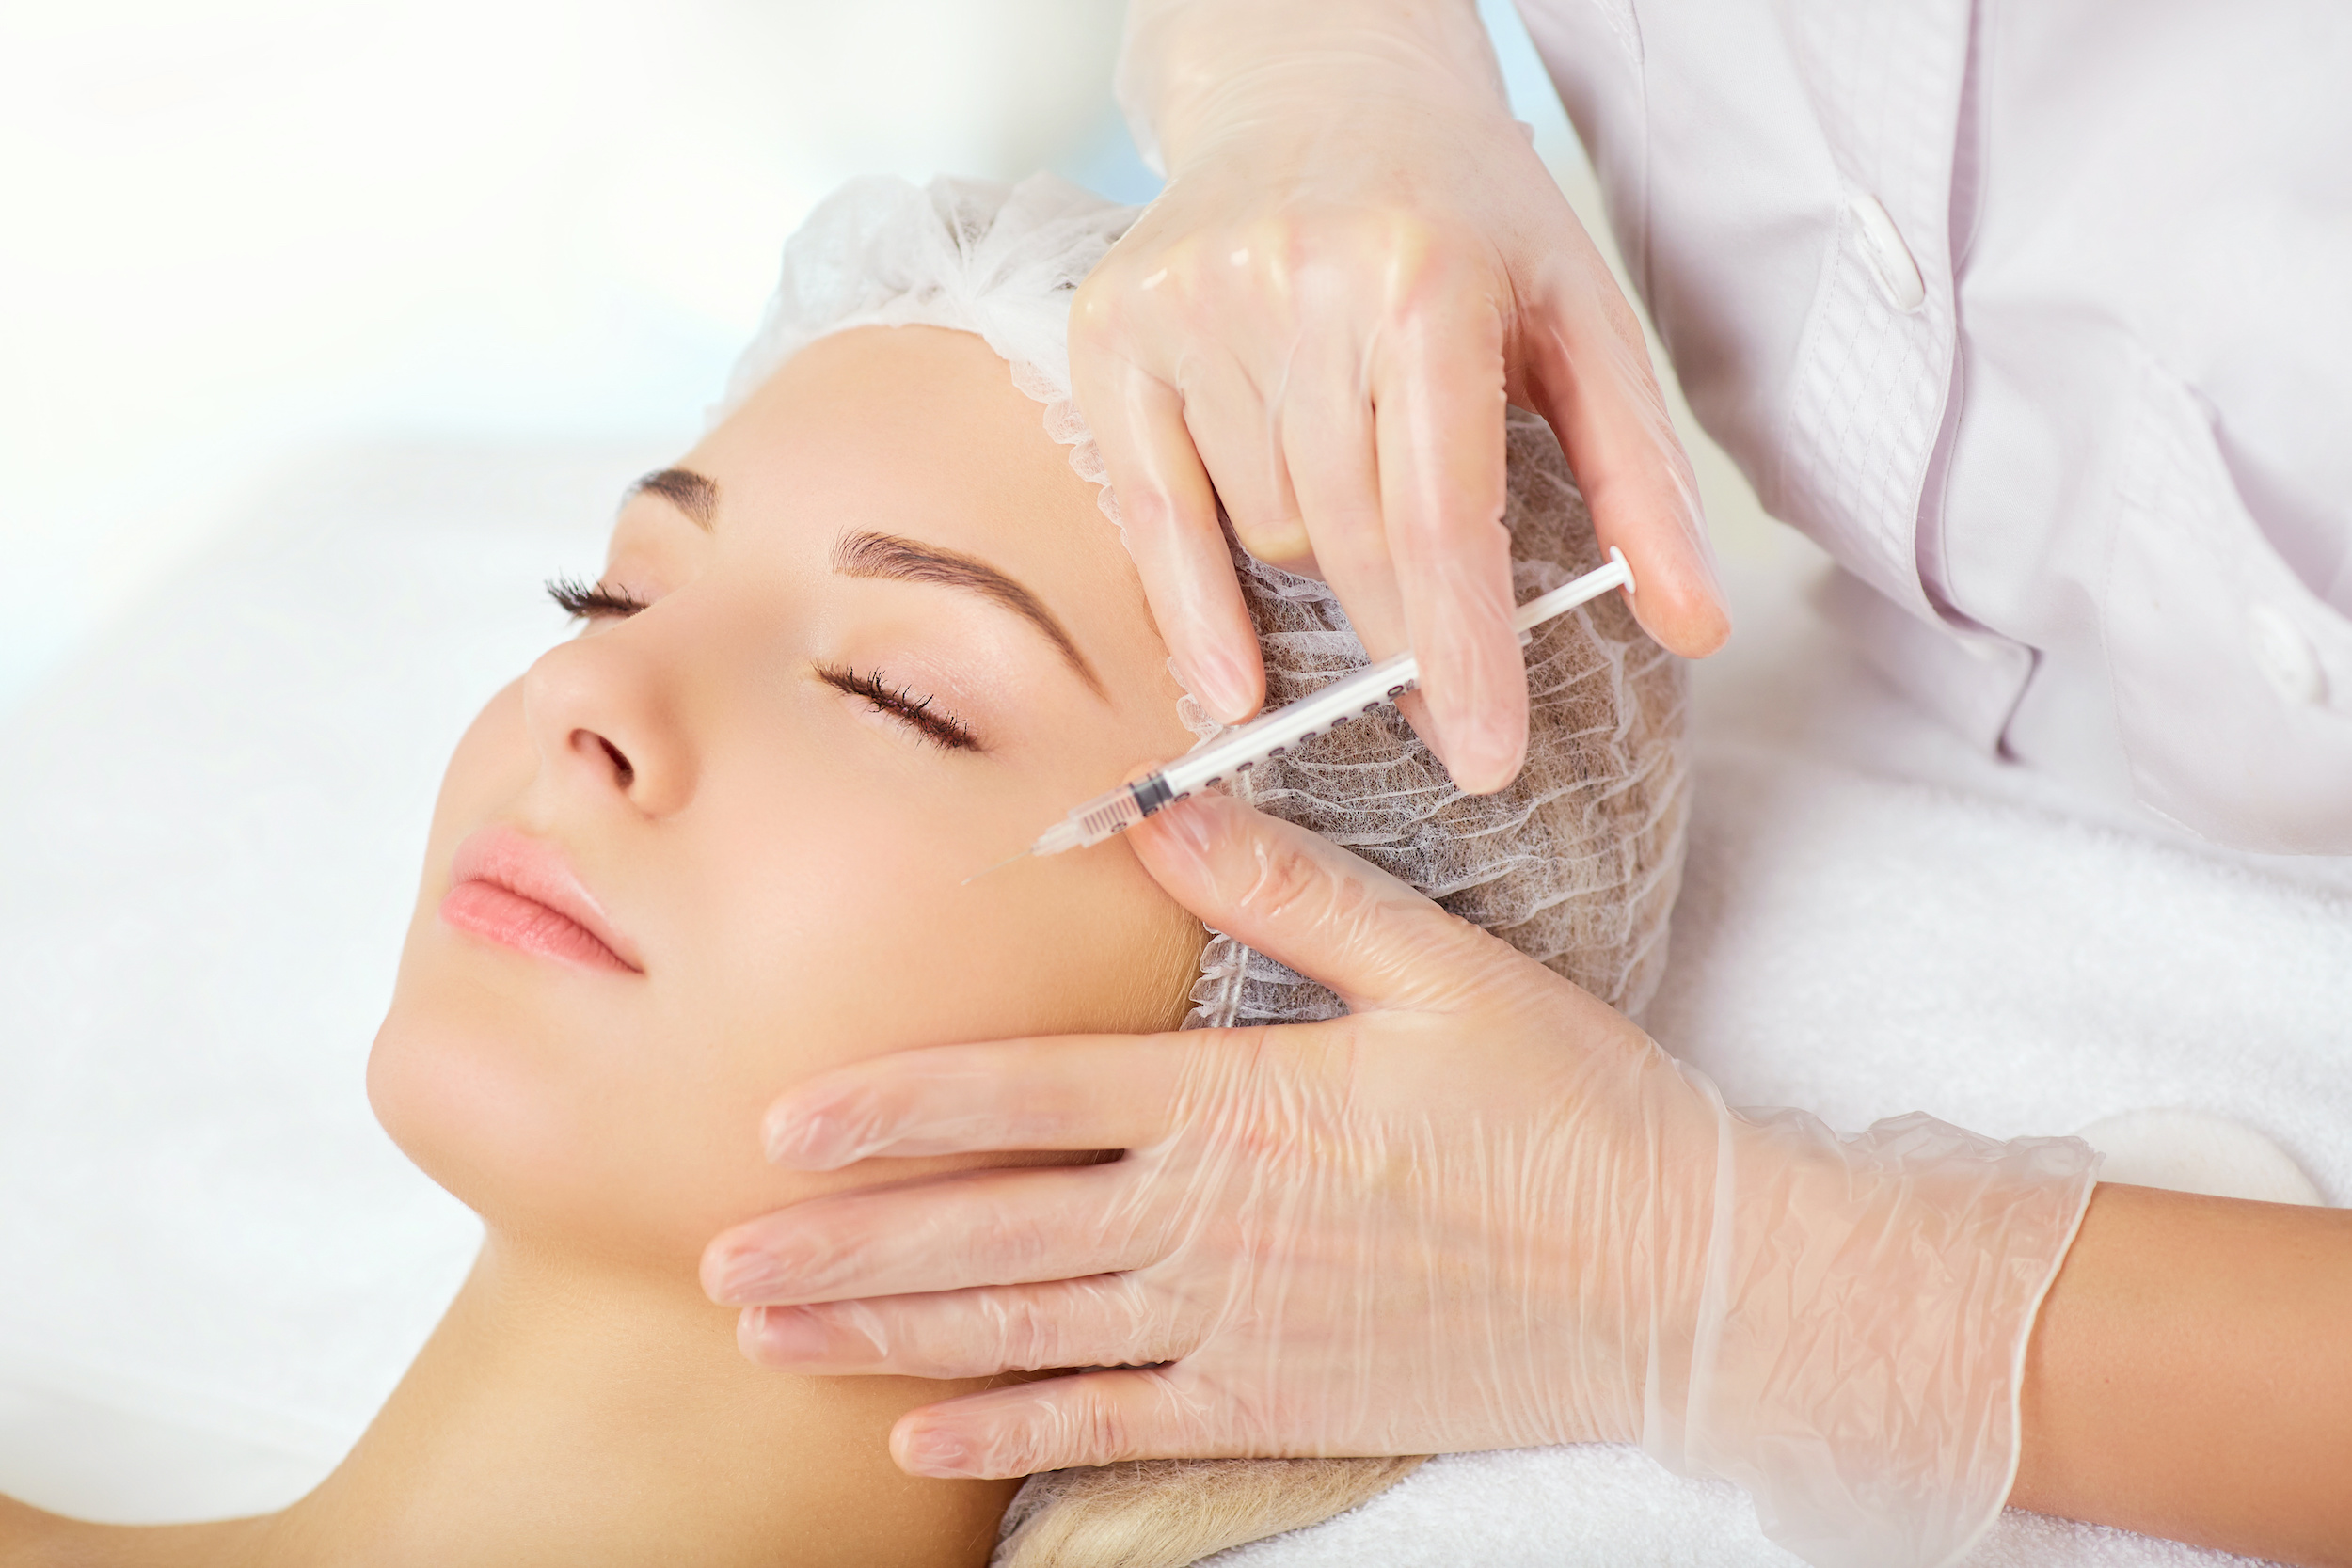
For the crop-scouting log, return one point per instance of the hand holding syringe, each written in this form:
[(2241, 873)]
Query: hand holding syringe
[(1274, 734)]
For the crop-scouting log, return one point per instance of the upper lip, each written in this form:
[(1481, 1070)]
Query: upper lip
[(536, 869)]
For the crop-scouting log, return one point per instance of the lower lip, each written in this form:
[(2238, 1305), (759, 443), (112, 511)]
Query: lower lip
[(494, 914)]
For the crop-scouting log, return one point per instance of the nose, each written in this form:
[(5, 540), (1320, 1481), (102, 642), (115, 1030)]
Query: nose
[(603, 712)]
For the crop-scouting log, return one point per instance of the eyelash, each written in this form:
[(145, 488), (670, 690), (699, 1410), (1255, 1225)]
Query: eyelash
[(902, 704), (577, 599)]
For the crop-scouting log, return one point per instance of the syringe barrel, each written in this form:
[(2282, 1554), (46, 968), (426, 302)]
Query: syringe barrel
[(1112, 812), (1349, 697)]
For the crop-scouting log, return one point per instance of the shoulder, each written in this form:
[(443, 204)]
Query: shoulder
[(35, 1538)]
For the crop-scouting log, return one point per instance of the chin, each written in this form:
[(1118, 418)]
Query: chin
[(470, 1110), (526, 1122)]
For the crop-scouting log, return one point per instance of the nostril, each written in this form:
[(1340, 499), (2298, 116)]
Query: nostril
[(587, 743), (622, 772)]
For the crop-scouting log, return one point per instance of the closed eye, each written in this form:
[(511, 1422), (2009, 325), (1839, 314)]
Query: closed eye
[(916, 712), (577, 599)]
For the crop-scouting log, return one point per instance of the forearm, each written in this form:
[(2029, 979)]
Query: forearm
[(2191, 1376), (1182, 60)]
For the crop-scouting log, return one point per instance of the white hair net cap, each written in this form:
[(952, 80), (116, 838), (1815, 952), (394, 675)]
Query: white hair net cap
[(1576, 863), (973, 254)]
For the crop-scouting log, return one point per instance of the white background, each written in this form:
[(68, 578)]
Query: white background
[(235, 229)]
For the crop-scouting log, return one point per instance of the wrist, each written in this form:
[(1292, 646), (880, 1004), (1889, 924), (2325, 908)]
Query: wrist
[(1854, 1354), (1192, 74)]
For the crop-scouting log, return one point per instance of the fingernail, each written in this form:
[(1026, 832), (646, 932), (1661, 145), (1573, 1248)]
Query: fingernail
[(1218, 685), (748, 1278), (783, 1335), (785, 1140), (1187, 824), (808, 1141), (939, 1453), (1478, 753)]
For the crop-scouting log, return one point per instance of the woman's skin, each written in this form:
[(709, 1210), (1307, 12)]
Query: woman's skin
[(775, 868)]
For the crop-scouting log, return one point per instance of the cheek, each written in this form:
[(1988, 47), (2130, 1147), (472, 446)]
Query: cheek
[(823, 947), (862, 938)]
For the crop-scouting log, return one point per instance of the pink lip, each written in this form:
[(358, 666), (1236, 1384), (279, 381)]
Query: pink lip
[(519, 892)]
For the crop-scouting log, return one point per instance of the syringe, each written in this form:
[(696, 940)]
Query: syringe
[(1274, 734)]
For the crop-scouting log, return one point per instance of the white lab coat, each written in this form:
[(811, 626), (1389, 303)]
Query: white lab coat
[(2038, 315)]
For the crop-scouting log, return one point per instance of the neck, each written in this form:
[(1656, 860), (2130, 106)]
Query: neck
[(568, 1414)]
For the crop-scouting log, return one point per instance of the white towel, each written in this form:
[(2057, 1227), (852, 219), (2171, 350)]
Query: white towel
[(1606, 1506)]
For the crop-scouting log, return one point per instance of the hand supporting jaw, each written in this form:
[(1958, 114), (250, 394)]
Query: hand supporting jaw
[(1483, 1210)]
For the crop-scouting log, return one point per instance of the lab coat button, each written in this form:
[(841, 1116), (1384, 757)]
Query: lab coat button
[(1890, 260), (2286, 658)]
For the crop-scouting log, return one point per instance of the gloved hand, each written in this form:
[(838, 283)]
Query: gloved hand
[(1357, 257), (1484, 1210)]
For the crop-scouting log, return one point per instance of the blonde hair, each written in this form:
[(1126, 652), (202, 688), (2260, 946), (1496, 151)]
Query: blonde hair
[(1172, 1513)]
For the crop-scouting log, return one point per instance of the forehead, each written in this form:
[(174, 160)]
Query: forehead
[(916, 431)]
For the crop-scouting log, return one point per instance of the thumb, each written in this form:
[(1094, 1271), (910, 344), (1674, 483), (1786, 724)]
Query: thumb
[(1305, 902)]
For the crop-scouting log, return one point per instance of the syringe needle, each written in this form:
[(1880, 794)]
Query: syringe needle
[(1021, 854)]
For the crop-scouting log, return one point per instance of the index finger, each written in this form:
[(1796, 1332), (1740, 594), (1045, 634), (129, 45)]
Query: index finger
[(1167, 514), (1438, 391), (1071, 1092)]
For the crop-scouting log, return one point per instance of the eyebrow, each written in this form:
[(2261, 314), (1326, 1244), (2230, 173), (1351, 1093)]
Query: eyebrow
[(685, 490), (886, 556)]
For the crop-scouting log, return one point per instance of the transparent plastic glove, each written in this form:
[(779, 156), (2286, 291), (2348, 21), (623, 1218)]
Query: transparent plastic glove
[(1484, 1210), (1358, 255)]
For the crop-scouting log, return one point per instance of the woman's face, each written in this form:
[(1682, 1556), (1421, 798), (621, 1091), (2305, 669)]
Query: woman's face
[(716, 844)]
